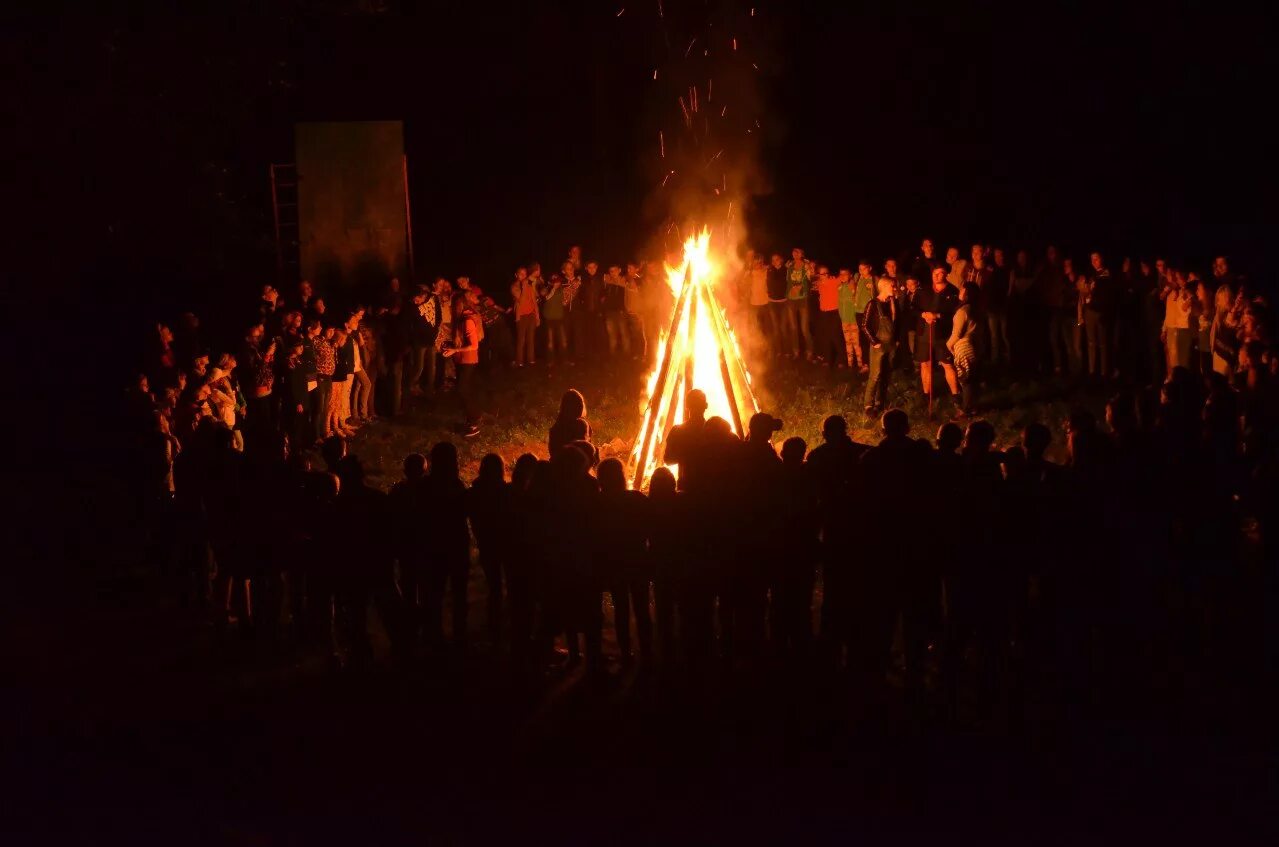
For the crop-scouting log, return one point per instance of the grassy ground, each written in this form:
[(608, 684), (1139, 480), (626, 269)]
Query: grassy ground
[(520, 405)]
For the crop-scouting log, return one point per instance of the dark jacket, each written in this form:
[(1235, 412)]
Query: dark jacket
[(776, 283), (591, 295), (879, 322), (345, 365)]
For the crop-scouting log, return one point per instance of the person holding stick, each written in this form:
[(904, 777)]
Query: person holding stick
[(935, 310)]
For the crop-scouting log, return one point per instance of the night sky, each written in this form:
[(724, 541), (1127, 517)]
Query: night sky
[(148, 137)]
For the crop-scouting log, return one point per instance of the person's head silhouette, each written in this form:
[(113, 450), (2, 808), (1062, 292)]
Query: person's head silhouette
[(895, 424), (414, 466), (834, 428), (491, 469), (695, 405), (793, 450), (612, 476), (662, 484), (444, 460)]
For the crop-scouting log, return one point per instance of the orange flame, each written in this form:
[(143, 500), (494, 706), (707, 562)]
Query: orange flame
[(697, 350)]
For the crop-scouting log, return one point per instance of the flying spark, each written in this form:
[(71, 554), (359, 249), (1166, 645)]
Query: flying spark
[(661, 141), (690, 48), (621, 11)]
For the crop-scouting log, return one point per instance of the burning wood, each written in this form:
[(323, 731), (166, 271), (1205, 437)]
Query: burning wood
[(698, 350)]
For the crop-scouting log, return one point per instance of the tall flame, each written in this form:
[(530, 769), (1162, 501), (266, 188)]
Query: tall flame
[(697, 350)]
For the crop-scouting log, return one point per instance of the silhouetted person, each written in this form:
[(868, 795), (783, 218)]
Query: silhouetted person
[(363, 563), (894, 565), (570, 424), (684, 443), (764, 553), (717, 494), (489, 508), (621, 538), (572, 600), (450, 542), (409, 506), (668, 550), (949, 465), (801, 525), (834, 467), (522, 573), (265, 492), (976, 570)]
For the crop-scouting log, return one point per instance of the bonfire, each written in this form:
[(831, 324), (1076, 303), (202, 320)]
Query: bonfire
[(697, 350)]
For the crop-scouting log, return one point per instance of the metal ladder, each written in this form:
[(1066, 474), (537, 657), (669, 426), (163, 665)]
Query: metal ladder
[(284, 203)]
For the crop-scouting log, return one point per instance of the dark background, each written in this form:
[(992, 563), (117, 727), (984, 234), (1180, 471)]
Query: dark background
[(144, 138)]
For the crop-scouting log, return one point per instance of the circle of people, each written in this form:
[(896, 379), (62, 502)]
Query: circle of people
[(724, 558)]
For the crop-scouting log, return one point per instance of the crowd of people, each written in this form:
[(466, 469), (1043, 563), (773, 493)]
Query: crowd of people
[(938, 541), (995, 312), (306, 370)]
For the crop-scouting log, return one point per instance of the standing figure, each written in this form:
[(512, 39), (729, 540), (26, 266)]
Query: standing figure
[(621, 549), (879, 326)]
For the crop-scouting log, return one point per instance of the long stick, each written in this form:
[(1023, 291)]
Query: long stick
[(721, 327), (932, 375), (725, 373), (659, 387)]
